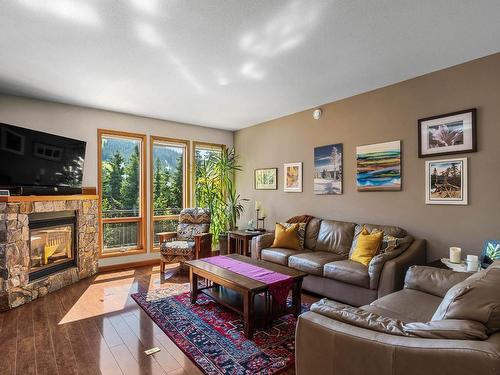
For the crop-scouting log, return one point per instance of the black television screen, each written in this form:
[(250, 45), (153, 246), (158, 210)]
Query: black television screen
[(32, 158)]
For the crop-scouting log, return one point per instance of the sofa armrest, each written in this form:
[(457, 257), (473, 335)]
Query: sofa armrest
[(260, 242), (433, 280), (394, 270), (327, 346)]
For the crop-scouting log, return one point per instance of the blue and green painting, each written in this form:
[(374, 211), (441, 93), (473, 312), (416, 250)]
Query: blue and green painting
[(379, 166)]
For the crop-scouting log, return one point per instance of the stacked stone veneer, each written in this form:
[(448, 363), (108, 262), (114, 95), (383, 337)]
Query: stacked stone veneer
[(15, 288)]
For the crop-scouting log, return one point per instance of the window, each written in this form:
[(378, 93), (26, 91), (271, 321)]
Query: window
[(169, 184), (202, 152), (122, 191)]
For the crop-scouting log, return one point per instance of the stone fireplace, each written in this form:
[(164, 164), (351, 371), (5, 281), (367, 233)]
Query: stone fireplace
[(45, 244)]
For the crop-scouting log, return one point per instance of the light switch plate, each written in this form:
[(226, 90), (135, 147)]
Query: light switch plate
[(152, 350)]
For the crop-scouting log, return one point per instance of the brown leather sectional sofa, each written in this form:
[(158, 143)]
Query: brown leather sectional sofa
[(326, 259), (442, 322)]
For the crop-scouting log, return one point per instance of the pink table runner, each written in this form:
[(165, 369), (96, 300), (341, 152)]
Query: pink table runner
[(278, 283)]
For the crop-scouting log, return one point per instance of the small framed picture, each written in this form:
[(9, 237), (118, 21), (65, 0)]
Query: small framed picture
[(446, 181), (328, 169), (266, 179), (490, 253), (452, 133), (293, 177)]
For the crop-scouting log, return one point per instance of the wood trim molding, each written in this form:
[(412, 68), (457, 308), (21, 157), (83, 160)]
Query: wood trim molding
[(130, 265), (187, 181), (142, 234)]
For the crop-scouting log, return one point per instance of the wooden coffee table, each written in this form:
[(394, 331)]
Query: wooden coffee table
[(247, 297)]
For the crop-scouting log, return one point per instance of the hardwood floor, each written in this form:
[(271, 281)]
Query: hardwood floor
[(93, 327)]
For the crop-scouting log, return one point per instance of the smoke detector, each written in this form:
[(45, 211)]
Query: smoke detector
[(317, 113)]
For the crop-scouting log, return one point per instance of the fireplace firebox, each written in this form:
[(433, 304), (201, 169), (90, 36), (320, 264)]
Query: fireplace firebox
[(52, 243)]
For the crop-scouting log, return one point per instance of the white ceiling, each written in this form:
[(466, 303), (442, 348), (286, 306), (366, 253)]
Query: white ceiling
[(227, 63)]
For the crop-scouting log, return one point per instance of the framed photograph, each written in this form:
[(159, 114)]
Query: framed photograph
[(328, 169), (446, 181), (266, 179), (293, 177), (452, 133), (490, 253), (379, 167)]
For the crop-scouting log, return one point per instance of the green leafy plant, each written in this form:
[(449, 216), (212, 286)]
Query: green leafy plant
[(215, 190), (493, 251)]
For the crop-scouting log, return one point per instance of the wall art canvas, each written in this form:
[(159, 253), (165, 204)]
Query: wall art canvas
[(379, 166), (266, 179), (452, 133), (293, 177), (446, 181), (328, 169)]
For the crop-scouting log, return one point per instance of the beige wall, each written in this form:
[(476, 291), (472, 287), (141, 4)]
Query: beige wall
[(82, 123), (386, 114)]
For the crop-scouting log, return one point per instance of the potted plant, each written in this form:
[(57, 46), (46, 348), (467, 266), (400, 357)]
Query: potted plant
[(215, 190)]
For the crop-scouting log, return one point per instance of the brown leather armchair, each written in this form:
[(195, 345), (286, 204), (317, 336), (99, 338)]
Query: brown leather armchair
[(191, 240)]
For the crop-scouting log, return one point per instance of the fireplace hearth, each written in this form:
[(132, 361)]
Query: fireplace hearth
[(46, 243)]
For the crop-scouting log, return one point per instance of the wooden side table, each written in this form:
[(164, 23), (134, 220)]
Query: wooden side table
[(238, 241)]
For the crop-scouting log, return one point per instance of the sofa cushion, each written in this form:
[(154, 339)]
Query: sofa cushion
[(279, 255), (476, 298), (409, 305), (335, 236), (433, 280), (387, 229), (312, 262), (348, 271), (312, 231)]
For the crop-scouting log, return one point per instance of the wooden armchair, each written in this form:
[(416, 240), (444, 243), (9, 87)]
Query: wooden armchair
[(190, 241)]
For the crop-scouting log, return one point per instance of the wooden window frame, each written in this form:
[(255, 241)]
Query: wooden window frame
[(187, 182), (142, 230), (196, 144)]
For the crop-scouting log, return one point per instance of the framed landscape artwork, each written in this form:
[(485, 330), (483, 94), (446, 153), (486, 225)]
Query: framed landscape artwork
[(379, 167), (452, 133), (293, 177), (446, 181), (328, 169), (266, 179)]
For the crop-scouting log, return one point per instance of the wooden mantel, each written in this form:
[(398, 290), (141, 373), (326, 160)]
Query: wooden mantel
[(44, 198)]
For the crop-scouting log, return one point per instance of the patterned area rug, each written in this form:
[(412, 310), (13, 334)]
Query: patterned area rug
[(212, 336)]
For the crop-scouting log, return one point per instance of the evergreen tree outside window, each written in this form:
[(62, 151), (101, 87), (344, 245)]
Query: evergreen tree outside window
[(122, 193), (169, 184)]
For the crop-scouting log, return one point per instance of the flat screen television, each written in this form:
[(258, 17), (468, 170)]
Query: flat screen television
[(37, 163)]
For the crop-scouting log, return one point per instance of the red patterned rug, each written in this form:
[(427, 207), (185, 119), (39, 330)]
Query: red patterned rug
[(212, 336)]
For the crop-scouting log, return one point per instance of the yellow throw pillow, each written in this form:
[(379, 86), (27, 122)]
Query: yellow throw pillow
[(287, 237), (367, 246)]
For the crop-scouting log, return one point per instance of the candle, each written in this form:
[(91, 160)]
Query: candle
[(472, 263), (257, 205), (263, 213), (455, 254)]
